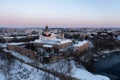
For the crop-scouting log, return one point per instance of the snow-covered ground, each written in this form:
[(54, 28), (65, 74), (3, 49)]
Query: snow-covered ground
[(2, 77), (3, 45), (109, 51), (26, 59), (83, 74), (104, 53), (67, 67), (21, 71), (74, 71)]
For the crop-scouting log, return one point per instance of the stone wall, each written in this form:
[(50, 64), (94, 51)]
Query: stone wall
[(23, 51), (33, 55), (81, 49)]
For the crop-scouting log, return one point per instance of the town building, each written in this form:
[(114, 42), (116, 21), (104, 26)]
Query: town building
[(49, 45)]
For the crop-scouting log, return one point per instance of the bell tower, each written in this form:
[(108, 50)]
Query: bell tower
[(62, 34), (46, 28)]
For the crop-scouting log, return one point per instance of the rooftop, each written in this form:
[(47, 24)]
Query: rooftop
[(53, 41)]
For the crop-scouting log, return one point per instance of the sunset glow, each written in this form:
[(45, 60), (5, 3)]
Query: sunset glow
[(60, 12)]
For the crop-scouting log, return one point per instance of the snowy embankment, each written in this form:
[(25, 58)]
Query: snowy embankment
[(67, 67), (104, 53), (21, 71), (2, 77), (26, 59), (85, 75), (109, 51), (79, 73), (3, 45)]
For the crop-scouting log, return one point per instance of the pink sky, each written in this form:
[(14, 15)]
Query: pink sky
[(60, 13)]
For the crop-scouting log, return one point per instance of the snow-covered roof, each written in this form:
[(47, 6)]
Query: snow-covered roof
[(63, 41), (33, 35), (48, 46), (80, 43), (19, 37), (8, 37), (53, 41), (20, 43)]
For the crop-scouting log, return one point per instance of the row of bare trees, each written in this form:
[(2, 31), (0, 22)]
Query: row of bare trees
[(5, 64)]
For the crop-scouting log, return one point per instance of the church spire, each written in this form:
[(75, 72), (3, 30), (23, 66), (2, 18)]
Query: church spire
[(46, 29)]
